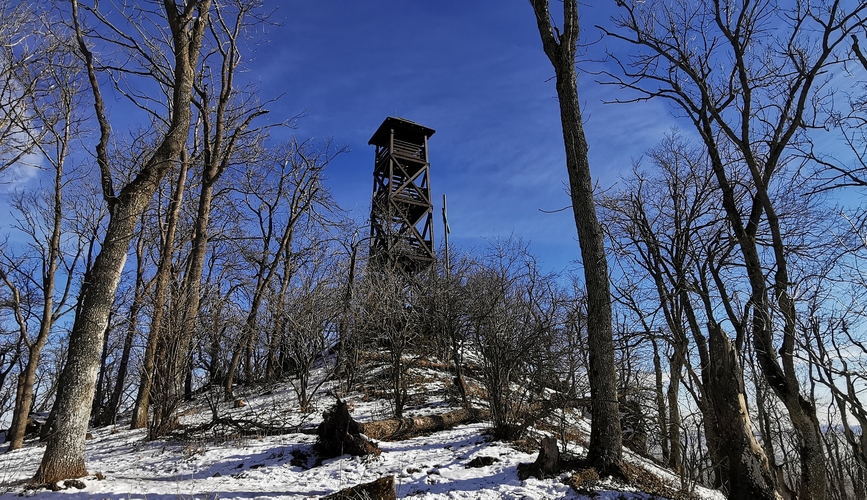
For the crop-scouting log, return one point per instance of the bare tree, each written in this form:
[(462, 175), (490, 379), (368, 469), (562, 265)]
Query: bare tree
[(283, 195), (308, 318), (605, 451), (23, 44), (225, 115), (666, 227), (64, 453), (844, 167), (749, 76), (837, 353), (53, 101)]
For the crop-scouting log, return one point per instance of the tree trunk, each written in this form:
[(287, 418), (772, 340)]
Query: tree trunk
[(397, 429), (340, 434), (661, 410), (109, 415), (132, 321), (159, 382), (675, 457), (23, 400), (64, 454), (96, 407), (749, 475), (14, 429), (605, 451)]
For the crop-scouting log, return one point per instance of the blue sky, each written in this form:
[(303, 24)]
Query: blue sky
[(473, 71), (476, 73)]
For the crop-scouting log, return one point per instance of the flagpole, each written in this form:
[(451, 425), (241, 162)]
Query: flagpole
[(446, 232)]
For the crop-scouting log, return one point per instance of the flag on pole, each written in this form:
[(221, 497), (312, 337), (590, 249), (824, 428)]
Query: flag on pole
[(446, 216)]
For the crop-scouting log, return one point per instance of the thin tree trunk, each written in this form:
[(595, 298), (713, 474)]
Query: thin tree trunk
[(163, 381), (99, 397), (16, 413), (109, 415), (605, 451)]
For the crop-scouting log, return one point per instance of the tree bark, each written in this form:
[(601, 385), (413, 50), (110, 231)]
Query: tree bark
[(404, 428), (605, 452), (547, 463)]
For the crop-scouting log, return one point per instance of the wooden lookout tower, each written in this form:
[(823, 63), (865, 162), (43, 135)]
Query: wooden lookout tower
[(401, 215)]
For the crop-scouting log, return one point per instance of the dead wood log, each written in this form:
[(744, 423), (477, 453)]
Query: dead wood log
[(404, 428), (381, 489)]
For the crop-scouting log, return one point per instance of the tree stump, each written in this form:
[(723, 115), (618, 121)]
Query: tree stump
[(381, 489), (339, 434), (547, 464)]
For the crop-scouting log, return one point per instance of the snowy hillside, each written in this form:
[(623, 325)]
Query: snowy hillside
[(221, 464)]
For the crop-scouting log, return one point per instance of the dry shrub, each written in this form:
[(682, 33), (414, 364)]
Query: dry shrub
[(433, 364), (583, 480), (475, 391), (525, 444), (650, 483)]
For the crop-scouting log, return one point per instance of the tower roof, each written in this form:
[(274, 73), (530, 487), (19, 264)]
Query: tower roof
[(405, 129)]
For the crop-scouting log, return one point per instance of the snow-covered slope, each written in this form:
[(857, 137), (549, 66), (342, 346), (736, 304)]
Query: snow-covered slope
[(125, 466)]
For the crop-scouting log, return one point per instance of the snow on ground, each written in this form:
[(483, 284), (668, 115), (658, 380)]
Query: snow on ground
[(426, 467)]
